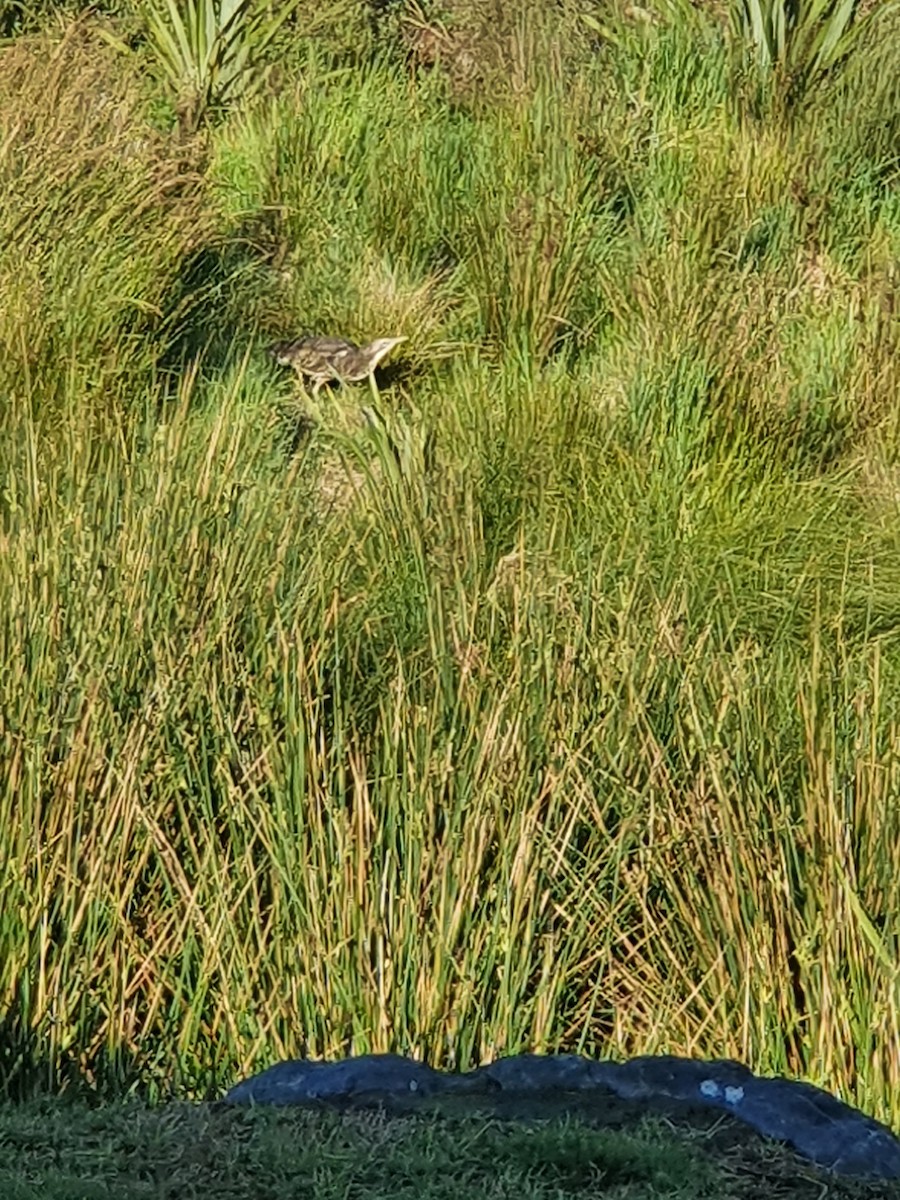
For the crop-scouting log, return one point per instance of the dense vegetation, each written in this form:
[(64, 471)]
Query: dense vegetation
[(557, 705)]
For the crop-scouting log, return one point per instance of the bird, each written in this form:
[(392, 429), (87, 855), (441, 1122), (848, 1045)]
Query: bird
[(324, 358)]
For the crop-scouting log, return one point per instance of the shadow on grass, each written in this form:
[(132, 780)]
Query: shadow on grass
[(212, 310), (21, 1064), (32, 1067)]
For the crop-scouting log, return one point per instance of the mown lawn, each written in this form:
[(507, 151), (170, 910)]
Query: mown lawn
[(59, 1151)]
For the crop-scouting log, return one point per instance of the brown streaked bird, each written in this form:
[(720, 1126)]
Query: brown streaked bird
[(324, 358)]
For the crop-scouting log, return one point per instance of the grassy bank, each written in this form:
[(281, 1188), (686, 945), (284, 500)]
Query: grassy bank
[(61, 1151), (556, 708)]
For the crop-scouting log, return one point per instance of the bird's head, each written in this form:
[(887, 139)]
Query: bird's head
[(380, 347)]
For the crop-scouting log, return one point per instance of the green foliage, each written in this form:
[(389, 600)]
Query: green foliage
[(210, 50), (100, 218), (547, 699), (802, 40), (17, 16), (793, 45), (14, 15)]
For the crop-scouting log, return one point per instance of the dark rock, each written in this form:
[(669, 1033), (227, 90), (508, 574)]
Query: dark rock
[(652, 1076), (537, 1072), (303, 1080), (820, 1127)]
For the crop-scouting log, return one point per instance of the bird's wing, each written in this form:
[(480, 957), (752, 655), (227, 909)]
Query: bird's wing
[(326, 345)]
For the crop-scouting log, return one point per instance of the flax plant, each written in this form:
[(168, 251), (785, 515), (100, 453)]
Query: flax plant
[(802, 40), (210, 50)]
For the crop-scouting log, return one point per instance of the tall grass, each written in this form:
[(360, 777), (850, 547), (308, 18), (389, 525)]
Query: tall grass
[(554, 707)]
